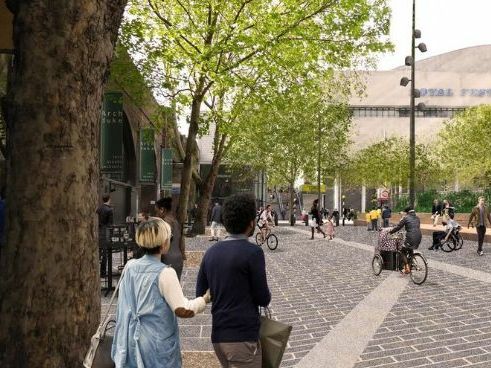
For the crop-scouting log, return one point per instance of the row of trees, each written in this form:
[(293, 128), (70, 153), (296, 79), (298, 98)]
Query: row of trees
[(459, 153), (387, 163), (286, 132), (212, 58), (465, 144)]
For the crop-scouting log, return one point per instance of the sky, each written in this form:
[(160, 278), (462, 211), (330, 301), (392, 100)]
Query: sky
[(445, 25)]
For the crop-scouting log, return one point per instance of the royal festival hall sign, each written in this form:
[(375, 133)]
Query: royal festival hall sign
[(450, 92)]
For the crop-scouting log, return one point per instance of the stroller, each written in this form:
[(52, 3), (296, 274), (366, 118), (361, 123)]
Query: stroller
[(387, 242), (388, 257)]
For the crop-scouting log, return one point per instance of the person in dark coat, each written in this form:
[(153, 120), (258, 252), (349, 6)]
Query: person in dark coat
[(335, 215), (483, 218), (386, 215), (436, 211), (316, 215), (106, 218), (176, 255), (216, 221), (411, 224)]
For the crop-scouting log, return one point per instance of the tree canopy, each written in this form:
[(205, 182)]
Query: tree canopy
[(281, 134), (387, 163), (465, 146)]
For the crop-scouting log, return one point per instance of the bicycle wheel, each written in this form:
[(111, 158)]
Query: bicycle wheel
[(272, 241), (377, 264), (448, 246), (459, 241), (419, 269), (258, 239)]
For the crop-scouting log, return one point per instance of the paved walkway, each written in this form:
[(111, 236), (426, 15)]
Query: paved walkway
[(344, 316)]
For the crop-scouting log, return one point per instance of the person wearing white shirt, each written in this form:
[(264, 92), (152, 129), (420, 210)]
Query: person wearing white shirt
[(265, 221)]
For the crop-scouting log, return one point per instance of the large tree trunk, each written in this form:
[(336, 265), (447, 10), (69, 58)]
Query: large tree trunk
[(50, 286), (205, 197), (187, 169)]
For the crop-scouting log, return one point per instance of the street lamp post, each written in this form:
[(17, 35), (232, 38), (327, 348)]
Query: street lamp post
[(411, 61), (319, 167)]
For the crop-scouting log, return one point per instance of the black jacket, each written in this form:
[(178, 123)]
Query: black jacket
[(411, 224), (105, 213), (436, 209), (316, 215), (386, 213)]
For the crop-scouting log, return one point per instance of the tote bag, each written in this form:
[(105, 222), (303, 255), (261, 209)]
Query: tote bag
[(99, 354), (274, 336)]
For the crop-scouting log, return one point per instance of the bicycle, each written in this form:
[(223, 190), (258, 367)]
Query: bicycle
[(270, 239), (454, 242), (418, 264)]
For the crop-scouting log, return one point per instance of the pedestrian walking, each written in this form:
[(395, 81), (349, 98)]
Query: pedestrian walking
[(330, 228), (436, 211), (386, 215), (176, 254), (335, 215), (345, 214), (374, 216), (235, 272), (150, 298), (368, 221), (106, 218), (316, 219), (483, 217), (216, 221)]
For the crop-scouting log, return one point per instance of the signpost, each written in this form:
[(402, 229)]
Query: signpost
[(147, 156), (112, 152), (166, 169)]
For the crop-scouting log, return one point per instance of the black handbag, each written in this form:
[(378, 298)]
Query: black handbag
[(274, 337), (99, 354)]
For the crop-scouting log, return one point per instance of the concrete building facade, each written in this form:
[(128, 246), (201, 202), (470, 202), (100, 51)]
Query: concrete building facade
[(448, 83)]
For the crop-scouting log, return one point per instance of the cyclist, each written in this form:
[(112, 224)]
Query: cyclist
[(410, 222), (265, 221)]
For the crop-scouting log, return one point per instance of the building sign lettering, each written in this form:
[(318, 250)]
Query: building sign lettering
[(449, 92), (112, 150)]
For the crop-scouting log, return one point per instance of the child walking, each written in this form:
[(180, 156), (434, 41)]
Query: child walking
[(330, 228)]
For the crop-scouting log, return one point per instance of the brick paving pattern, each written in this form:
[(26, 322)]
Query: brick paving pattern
[(444, 323)]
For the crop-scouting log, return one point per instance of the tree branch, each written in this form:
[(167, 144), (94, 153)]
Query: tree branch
[(188, 14), (277, 38), (169, 25)]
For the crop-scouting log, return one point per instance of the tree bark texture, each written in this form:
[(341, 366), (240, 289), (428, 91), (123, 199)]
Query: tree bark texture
[(206, 190), (187, 169), (50, 286)]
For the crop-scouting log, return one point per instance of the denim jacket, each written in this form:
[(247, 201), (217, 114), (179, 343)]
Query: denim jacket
[(146, 334)]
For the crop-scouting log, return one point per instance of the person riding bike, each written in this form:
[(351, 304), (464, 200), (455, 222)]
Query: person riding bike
[(410, 222), (265, 221)]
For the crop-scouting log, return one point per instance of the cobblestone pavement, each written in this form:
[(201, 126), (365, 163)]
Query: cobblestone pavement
[(315, 284)]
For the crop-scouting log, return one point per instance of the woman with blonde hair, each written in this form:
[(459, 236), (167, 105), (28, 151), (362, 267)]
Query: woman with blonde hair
[(150, 300)]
